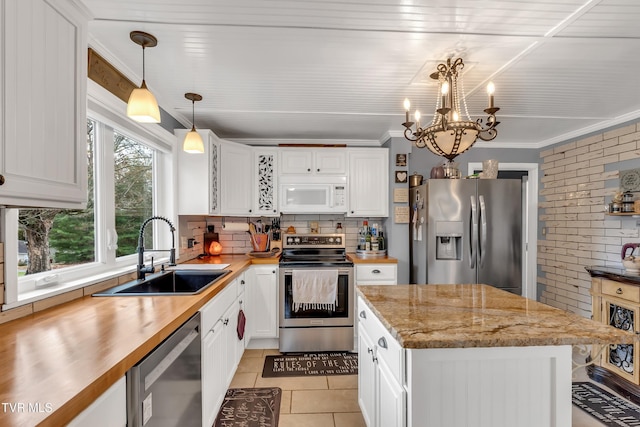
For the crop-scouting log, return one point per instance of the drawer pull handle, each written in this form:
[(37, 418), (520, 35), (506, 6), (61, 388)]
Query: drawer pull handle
[(369, 350), (619, 291), (242, 282), (376, 271), (382, 342), (363, 314)]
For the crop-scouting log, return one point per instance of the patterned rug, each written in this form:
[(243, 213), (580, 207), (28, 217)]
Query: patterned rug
[(310, 364), (605, 407), (250, 407)]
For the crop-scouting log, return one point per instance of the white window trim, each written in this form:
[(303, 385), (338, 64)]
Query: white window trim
[(111, 113)]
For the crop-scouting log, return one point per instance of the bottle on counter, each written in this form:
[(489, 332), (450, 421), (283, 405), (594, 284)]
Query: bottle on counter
[(381, 243), (339, 228), (367, 235)]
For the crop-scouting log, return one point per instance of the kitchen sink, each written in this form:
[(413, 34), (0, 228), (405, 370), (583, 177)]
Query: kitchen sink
[(175, 282)]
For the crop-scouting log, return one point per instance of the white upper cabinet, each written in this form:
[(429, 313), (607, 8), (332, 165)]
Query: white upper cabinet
[(199, 176), (313, 161), (43, 114), (368, 182), (265, 191), (236, 179)]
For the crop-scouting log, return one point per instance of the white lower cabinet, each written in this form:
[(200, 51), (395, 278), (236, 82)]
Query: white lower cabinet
[(263, 297), (376, 274), (108, 410), (221, 348), (381, 395)]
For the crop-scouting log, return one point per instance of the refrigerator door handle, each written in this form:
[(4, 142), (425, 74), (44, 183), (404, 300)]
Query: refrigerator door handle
[(483, 231), (474, 233)]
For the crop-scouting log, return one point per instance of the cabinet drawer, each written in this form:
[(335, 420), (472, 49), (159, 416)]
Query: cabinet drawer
[(375, 272), (214, 309), (621, 290), (387, 348)]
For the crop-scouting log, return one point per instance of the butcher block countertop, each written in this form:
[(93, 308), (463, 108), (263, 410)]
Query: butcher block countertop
[(353, 257), (459, 316), (65, 357)]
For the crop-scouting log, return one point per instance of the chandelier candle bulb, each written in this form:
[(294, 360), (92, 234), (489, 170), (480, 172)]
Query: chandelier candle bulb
[(490, 90), (407, 107), (417, 117)]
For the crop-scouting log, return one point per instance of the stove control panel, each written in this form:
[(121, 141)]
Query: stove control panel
[(314, 240)]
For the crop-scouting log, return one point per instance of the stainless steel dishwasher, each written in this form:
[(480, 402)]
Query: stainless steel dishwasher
[(165, 388)]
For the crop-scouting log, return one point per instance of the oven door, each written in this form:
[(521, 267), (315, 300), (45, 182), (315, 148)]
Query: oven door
[(341, 316)]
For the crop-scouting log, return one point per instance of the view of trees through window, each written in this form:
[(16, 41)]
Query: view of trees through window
[(55, 238)]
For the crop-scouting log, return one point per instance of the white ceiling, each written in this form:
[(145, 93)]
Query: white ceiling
[(297, 70)]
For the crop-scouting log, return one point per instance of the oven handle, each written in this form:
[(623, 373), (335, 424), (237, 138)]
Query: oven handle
[(287, 271)]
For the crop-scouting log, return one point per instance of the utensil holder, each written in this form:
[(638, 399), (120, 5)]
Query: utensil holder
[(260, 242)]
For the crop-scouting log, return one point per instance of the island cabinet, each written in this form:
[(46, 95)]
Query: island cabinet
[(616, 302), (467, 355), (43, 71)]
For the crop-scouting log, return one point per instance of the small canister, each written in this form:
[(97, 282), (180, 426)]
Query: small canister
[(627, 196), (615, 207)]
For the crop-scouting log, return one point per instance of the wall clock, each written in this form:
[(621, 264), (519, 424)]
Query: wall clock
[(630, 180)]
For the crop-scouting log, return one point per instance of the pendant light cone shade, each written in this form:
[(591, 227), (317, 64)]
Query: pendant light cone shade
[(193, 141), (142, 105)]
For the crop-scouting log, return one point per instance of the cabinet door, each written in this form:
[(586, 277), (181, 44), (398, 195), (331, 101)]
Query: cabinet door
[(266, 182), (368, 182), (390, 400), (366, 377), (43, 147), (330, 161), (197, 195), (623, 360), (230, 343), (108, 410), (296, 161), (264, 302), (213, 375), (236, 179)]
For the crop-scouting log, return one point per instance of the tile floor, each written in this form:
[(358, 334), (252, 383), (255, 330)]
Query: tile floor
[(332, 401)]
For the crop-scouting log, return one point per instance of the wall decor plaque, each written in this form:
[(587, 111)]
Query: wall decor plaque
[(630, 180)]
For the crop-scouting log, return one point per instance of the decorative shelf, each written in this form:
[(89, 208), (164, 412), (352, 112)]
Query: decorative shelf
[(623, 214)]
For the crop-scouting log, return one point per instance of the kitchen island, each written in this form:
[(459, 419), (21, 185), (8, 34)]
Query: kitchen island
[(467, 355)]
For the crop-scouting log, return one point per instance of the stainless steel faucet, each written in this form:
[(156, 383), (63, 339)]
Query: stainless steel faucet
[(141, 269)]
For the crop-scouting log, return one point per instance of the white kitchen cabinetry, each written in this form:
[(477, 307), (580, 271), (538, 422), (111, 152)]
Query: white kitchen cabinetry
[(108, 410), (263, 297), (368, 182), (313, 161), (376, 274), (43, 117), (265, 190), (381, 395), (199, 176), (236, 177), (221, 351)]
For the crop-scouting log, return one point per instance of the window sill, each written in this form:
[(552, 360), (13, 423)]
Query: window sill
[(52, 291)]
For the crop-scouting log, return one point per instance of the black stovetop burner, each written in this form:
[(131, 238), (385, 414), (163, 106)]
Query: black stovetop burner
[(314, 250)]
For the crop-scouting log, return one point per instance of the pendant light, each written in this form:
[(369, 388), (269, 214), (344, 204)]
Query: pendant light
[(142, 105), (193, 141)]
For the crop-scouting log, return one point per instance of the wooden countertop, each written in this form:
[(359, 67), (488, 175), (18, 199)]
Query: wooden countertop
[(70, 354), (458, 316), (353, 257)]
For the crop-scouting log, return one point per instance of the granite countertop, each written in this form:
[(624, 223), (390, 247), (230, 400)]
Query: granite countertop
[(617, 274), (459, 316)]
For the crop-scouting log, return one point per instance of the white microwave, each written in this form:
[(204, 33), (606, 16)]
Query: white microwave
[(312, 197)]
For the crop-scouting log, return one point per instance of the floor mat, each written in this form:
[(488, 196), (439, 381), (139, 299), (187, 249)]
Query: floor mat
[(607, 408), (250, 407), (309, 364)]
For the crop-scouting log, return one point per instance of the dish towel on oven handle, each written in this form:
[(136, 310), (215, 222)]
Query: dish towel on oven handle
[(314, 289)]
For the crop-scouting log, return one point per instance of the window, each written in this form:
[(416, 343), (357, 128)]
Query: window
[(59, 249)]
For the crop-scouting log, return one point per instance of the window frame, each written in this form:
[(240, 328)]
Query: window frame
[(109, 114)]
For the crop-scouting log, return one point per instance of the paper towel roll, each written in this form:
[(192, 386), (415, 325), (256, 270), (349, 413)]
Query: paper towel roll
[(236, 226)]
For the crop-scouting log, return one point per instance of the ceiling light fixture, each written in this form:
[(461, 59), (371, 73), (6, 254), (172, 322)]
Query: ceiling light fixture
[(449, 134), (142, 105), (193, 141)]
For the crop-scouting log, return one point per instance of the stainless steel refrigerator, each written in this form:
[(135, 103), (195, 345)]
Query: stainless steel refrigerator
[(467, 231)]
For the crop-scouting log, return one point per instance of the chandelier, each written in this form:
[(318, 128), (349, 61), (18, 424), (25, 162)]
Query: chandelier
[(449, 134)]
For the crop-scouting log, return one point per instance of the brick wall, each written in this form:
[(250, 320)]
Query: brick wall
[(578, 180)]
